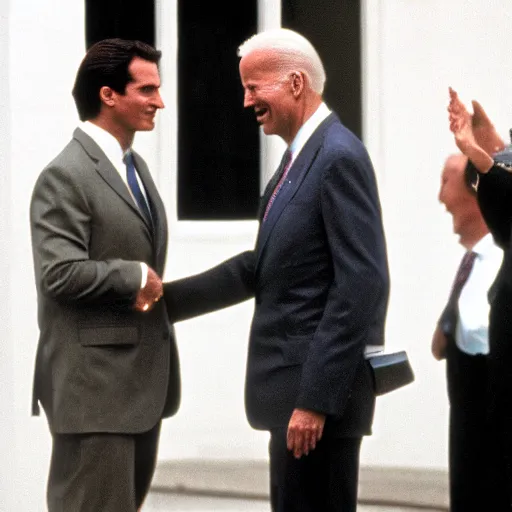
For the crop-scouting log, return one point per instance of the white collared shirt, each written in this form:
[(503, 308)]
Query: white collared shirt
[(307, 129), (113, 151), (472, 330)]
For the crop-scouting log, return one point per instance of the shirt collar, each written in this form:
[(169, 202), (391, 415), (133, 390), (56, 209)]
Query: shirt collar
[(484, 246), (307, 129), (106, 141)]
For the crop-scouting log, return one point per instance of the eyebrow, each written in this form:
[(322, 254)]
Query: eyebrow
[(148, 86)]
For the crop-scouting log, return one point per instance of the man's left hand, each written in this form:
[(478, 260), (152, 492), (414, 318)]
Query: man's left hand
[(304, 431), (439, 344), (484, 131)]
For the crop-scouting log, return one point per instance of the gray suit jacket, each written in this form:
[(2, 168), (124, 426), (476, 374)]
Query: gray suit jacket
[(100, 366)]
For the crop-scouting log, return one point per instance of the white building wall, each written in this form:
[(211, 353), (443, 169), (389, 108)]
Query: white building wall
[(45, 45), (414, 51)]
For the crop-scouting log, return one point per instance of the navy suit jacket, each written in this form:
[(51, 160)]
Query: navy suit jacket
[(320, 280)]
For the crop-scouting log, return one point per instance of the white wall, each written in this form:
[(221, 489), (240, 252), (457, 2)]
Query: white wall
[(45, 46), (415, 50)]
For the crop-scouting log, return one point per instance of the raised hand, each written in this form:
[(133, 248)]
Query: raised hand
[(484, 131), (460, 122), (461, 126)]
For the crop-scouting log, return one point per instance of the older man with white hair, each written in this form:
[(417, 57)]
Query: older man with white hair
[(320, 279)]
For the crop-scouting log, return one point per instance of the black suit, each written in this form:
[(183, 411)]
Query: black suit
[(320, 280), (466, 376), (494, 197), (103, 371)]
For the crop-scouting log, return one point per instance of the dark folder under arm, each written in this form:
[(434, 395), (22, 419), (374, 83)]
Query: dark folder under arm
[(390, 371)]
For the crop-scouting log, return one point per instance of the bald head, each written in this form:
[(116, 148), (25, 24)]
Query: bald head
[(456, 161), (460, 201)]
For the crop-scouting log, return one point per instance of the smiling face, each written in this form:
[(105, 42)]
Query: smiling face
[(135, 110), (123, 114), (269, 91), (456, 197)]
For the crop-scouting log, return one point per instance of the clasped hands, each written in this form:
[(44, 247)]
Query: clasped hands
[(148, 296)]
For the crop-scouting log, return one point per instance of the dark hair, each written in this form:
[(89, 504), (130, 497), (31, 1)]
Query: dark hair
[(470, 177), (106, 64)]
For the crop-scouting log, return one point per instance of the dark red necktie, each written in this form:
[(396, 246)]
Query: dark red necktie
[(462, 275), (281, 173), (448, 321)]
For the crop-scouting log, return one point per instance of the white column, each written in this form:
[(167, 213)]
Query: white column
[(372, 105), (269, 14), (167, 124), (272, 147)]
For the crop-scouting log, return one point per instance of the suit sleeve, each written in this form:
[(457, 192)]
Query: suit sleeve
[(359, 289), (225, 285), (61, 229), (494, 193)]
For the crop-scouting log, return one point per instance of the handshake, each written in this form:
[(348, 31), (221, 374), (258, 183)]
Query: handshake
[(152, 292)]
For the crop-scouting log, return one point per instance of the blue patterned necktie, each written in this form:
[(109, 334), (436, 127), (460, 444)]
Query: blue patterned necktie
[(133, 183)]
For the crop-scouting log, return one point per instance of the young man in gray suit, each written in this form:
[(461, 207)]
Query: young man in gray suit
[(107, 368)]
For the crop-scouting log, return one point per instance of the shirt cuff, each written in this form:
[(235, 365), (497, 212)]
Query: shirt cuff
[(144, 278)]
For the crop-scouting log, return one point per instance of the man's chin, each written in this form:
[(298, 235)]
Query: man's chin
[(147, 127), (267, 129)]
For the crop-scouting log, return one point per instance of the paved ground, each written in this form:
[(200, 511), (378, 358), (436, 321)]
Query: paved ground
[(161, 502), (425, 489)]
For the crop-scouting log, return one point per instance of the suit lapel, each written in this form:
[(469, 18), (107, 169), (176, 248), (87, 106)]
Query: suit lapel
[(107, 171), (111, 176), (296, 175)]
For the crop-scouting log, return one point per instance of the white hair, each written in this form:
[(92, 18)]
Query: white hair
[(296, 50)]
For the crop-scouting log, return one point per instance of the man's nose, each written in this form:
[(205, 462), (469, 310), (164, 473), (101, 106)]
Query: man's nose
[(158, 102), (248, 99)]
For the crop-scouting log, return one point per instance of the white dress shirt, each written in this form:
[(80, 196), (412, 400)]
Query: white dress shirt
[(307, 129), (113, 151), (471, 334)]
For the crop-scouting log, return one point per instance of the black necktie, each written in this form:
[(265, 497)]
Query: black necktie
[(133, 183), (450, 314), (273, 184)]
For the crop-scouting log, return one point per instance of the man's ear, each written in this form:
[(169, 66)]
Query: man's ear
[(298, 83), (107, 96)]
